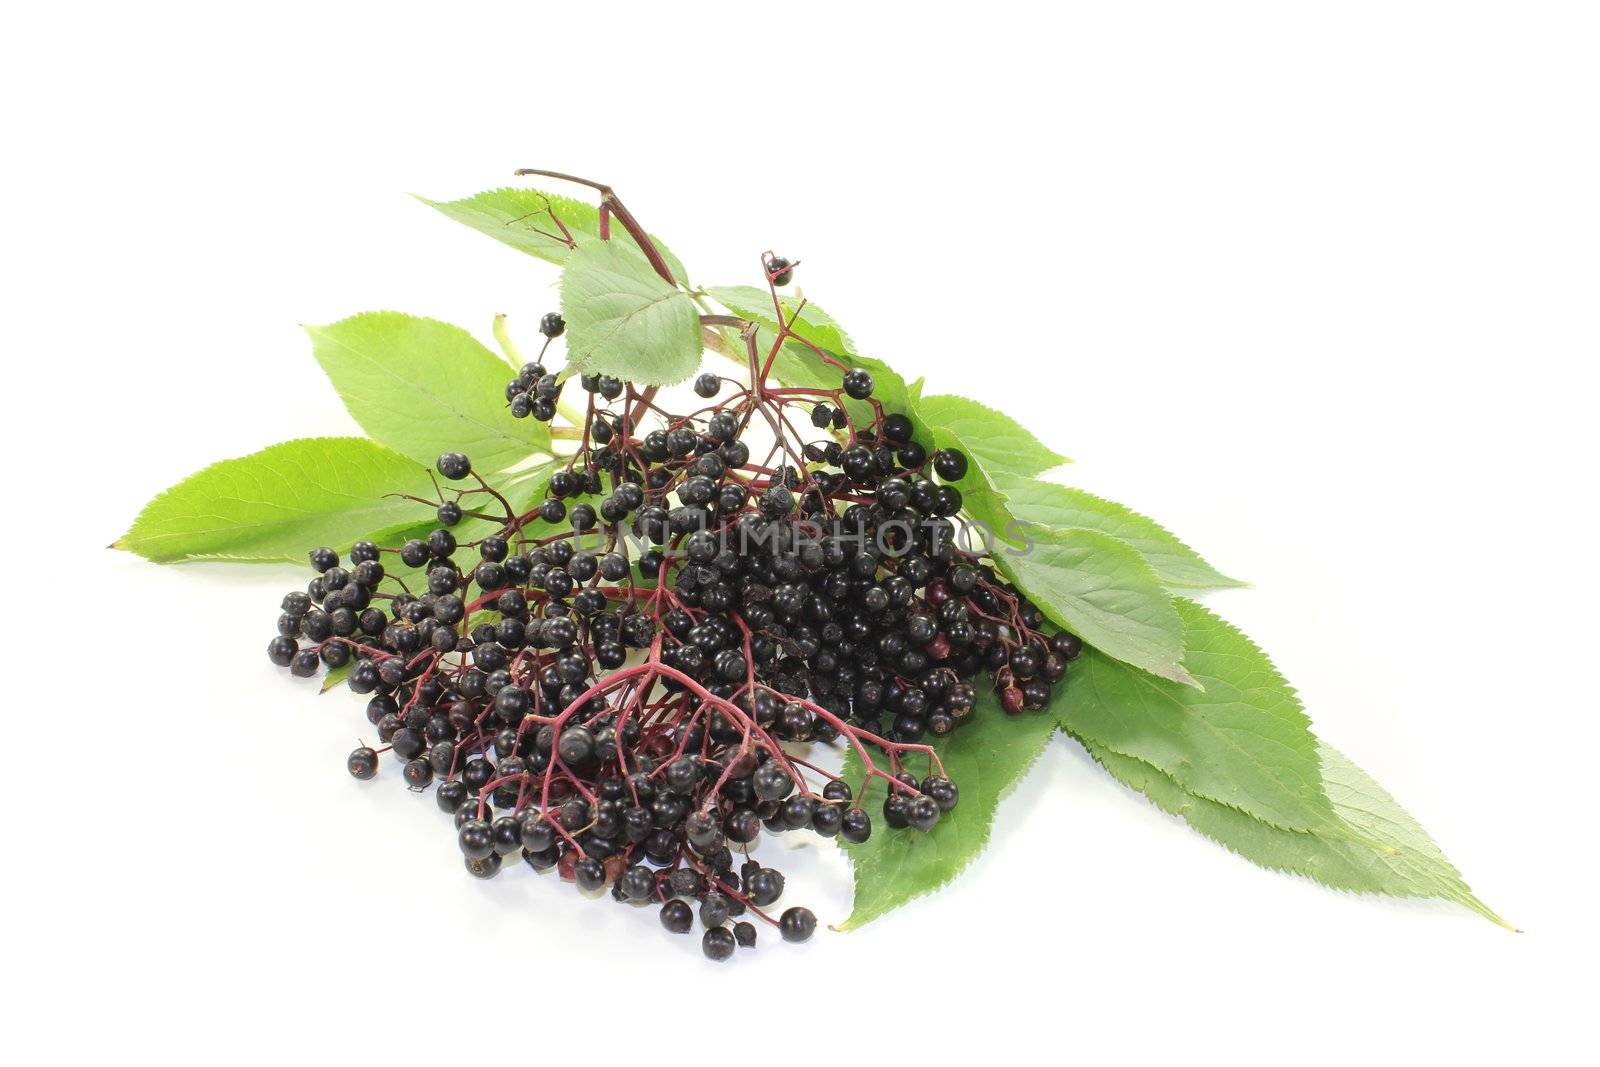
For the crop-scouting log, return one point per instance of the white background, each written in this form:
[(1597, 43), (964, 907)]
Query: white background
[(1312, 284)]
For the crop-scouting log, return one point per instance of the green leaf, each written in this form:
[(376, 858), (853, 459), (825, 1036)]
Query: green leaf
[(985, 758), (799, 366), (623, 319), (996, 444), (1058, 507), (526, 219), (335, 676), (1386, 851), (279, 503), (423, 387), (1243, 741), (1101, 590)]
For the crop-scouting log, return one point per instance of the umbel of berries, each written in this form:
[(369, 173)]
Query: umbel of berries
[(610, 686), (622, 631)]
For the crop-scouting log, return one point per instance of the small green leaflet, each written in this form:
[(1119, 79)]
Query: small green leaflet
[(985, 758), (1387, 851), (1058, 507), (336, 676), (1101, 590), (997, 444), (623, 319), (277, 504), (798, 365), (423, 387), (522, 218), (1242, 741)]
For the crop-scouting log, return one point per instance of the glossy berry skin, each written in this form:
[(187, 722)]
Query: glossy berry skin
[(552, 325), (856, 826), (637, 883), (950, 464), (858, 384), (896, 429), (897, 811), (707, 385), (418, 774), (942, 790), (827, 819), (718, 943), (476, 839), (362, 763), (1067, 646), (454, 465), (281, 650), (589, 873), (797, 924), (450, 795), (772, 782), (780, 271), (923, 813), (507, 834), (677, 916), (764, 886)]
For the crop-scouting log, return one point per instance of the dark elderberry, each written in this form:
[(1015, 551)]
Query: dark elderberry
[(779, 271), (950, 464), (855, 826), (718, 943), (789, 595), (363, 763), (454, 465), (589, 873), (281, 650), (677, 916), (476, 839), (484, 867), (858, 384), (797, 924)]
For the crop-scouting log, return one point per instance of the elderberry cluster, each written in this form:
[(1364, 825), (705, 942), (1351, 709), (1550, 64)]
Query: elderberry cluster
[(612, 681)]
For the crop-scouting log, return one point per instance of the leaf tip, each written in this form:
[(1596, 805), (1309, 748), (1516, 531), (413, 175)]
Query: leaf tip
[(1175, 672)]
